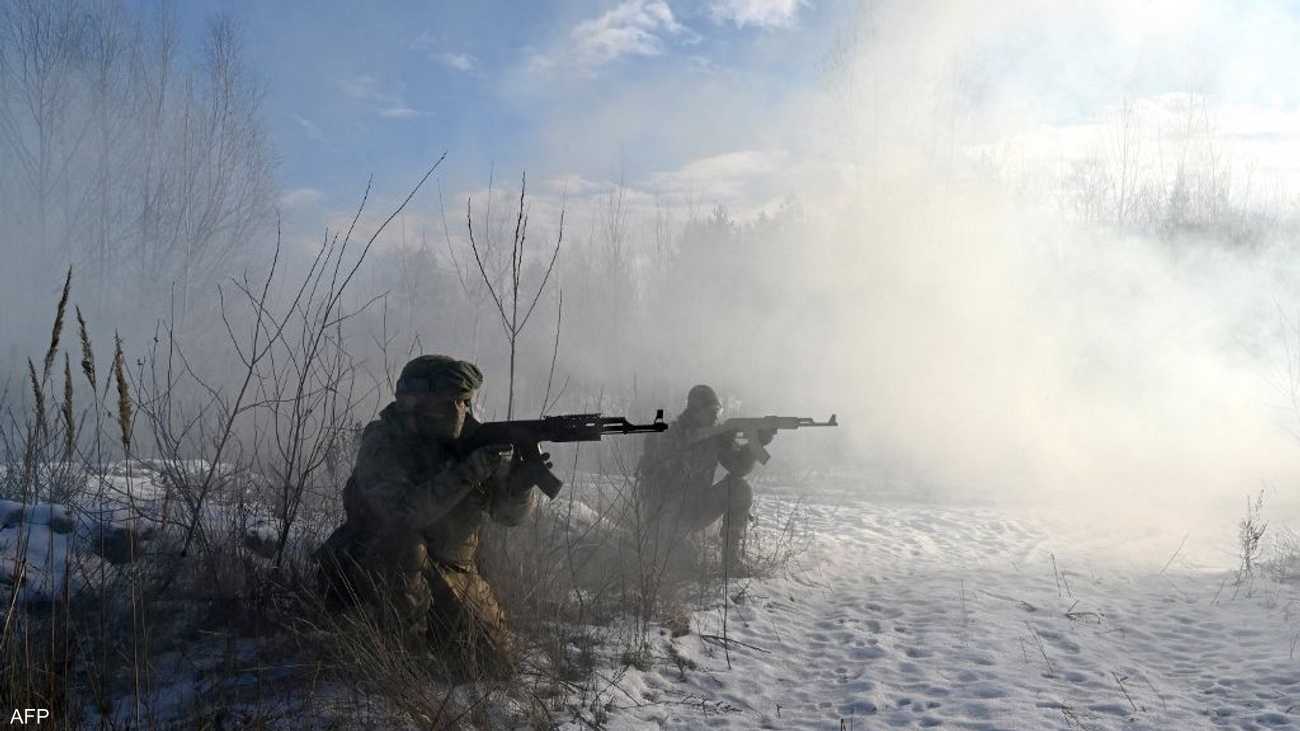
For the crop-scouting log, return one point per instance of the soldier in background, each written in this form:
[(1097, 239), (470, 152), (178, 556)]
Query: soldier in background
[(675, 476), (414, 510)]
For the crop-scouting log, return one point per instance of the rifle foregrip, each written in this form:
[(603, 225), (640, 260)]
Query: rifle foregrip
[(549, 484)]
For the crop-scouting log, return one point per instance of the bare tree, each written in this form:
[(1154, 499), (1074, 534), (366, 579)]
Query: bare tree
[(514, 321), (41, 49), (1127, 150), (153, 171)]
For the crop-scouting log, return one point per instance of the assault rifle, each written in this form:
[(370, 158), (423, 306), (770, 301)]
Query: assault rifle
[(525, 434), (749, 428)]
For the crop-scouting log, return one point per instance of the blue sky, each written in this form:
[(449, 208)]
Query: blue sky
[(745, 102), (740, 102), (384, 88)]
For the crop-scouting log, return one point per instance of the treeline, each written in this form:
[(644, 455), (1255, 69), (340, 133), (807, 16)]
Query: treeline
[(1165, 168), (147, 167)]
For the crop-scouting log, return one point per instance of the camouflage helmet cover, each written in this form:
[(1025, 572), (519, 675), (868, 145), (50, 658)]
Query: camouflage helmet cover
[(436, 373), (701, 396)]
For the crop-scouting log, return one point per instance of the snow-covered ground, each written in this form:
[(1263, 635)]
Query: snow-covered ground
[(899, 614), (915, 616), (112, 519)]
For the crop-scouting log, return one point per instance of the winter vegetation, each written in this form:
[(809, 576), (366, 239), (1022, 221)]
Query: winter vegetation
[(1060, 369)]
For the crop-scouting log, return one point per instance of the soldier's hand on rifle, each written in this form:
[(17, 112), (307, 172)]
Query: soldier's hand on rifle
[(486, 462), (525, 474), (765, 436)]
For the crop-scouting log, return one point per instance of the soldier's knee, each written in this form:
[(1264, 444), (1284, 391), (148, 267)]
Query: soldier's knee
[(403, 552)]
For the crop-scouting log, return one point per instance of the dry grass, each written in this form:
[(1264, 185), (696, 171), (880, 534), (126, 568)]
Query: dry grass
[(585, 583), (124, 408), (361, 650), (1284, 563), (1250, 536)]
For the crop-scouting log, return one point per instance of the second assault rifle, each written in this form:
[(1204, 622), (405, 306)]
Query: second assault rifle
[(525, 434), (749, 428)]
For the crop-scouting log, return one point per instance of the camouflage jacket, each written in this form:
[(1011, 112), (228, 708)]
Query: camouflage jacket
[(404, 483), (675, 462)]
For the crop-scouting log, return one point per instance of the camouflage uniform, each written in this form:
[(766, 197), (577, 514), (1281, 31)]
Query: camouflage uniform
[(414, 511), (675, 477)]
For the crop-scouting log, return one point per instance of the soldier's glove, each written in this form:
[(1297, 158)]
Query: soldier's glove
[(525, 474), (485, 463), (765, 436)]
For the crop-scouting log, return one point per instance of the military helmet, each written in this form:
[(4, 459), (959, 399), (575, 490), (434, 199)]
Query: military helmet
[(702, 396), (435, 373)]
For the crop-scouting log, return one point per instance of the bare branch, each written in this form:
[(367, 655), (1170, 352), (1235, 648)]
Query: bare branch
[(555, 254), (446, 233), (555, 352), (496, 299)]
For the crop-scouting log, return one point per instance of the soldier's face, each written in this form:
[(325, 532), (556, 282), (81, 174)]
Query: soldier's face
[(442, 413), (707, 414)]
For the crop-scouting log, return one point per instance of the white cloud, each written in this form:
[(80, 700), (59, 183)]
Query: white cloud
[(634, 28), (362, 87), (727, 167), (1258, 145), (366, 88), (300, 198), (401, 111), (746, 182), (457, 61), (758, 13), (629, 29), (313, 132), (573, 184), (434, 47)]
